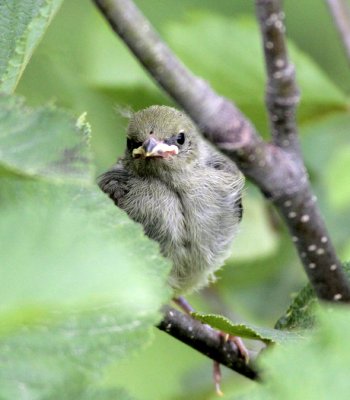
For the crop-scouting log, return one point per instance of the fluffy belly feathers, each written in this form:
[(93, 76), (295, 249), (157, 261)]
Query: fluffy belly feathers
[(198, 241)]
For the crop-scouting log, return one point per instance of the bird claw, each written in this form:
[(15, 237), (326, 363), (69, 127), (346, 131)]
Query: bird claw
[(241, 347), (244, 352), (226, 337), (216, 366), (187, 308)]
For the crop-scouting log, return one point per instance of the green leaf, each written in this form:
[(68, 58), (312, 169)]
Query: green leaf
[(44, 143), (246, 330), (22, 24), (78, 391), (311, 369), (75, 293), (301, 314), (81, 285), (76, 386), (225, 59)]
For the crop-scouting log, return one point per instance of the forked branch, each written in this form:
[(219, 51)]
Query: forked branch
[(277, 167)]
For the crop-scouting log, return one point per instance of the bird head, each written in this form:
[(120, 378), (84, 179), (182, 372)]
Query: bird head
[(161, 139)]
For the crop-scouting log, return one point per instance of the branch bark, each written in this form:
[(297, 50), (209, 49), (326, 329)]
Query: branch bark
[(282, 93), (341, 15), (276, 167), (205, 340), (300, 212)]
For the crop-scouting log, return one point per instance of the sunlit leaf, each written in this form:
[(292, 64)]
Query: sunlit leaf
[(22, 24), (44, 143), (81, 285)]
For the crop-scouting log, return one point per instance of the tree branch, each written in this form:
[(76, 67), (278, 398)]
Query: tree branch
[(341, 15), (282, 93), (278, 172), (191, 92), (299, 210), (205, 340)]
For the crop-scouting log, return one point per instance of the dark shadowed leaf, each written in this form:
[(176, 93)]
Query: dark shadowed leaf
[(301, 314)]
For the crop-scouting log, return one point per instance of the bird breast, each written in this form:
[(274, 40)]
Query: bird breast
[(194, 221)]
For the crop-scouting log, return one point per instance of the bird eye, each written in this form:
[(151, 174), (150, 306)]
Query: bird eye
[(132, 144), (180, 138)]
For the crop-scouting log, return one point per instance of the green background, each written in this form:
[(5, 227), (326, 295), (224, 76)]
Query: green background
[(82, 66)]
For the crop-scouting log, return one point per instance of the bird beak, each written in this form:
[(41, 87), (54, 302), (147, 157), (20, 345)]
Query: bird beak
[(155, 148)]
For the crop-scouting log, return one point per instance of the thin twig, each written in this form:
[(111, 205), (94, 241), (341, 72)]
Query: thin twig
[(341, 15), (282, 93), (205, 340), (279, 173)]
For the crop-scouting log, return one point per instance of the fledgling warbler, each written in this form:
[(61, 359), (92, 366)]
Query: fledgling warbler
[(185, 193)]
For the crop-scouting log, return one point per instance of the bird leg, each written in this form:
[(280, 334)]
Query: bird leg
[(240, 346), (183, 304), (188, 309), (217, 378)]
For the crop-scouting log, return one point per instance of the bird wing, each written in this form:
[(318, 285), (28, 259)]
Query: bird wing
[(114, 182), (215, 159)]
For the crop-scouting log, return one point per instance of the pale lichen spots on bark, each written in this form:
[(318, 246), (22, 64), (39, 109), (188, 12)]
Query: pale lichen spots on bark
[(312, 247), (305, 218)]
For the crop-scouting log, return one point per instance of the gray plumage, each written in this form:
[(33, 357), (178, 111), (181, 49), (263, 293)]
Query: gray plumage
[(186, 195)]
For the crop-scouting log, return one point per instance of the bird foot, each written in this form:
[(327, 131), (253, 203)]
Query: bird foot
[(216, 367), (244, 352), (188, 309)]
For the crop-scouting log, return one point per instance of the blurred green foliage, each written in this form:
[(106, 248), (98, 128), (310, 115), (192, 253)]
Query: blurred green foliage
[(75, 295), (66, 249), (325, 357)]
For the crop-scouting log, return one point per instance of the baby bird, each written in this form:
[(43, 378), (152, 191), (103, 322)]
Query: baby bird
[(185, 193)]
